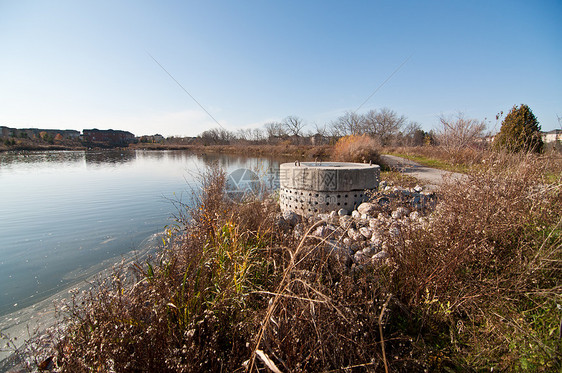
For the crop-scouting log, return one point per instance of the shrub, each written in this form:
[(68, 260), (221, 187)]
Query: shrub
[(482, 275), (520, 131), (356, 148), (230, 291), (459, 133), (473, 286)]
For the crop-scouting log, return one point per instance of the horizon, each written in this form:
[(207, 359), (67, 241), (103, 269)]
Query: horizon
[(134, 65)]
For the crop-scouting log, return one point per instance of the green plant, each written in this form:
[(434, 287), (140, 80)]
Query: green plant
[(520, 131)]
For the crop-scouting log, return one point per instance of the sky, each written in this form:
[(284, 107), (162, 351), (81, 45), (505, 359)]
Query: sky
[(79, 64)]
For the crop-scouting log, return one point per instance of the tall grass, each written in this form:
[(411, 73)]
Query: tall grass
[(356, 148), (473, 286), (484, 275)]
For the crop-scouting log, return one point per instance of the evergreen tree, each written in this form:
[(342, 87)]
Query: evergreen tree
[(520, 131)]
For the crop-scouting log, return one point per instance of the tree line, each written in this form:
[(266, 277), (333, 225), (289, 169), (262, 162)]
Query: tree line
[(520, 131), (385, 126)]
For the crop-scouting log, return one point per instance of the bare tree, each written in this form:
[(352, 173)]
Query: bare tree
[(275, 131), (413, 134), (244, 134), (258, 135), (294, 125), (384, 124), (216, 136), (350, 123), (458, 132)]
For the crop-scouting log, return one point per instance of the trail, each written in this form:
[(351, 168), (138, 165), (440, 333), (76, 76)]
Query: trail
[(432, 178)]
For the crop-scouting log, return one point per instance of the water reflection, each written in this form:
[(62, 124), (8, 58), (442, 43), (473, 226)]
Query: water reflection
[(68, 211), (110, 156), (10, 158)]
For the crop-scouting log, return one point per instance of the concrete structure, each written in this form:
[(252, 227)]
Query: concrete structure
[(307, 188)]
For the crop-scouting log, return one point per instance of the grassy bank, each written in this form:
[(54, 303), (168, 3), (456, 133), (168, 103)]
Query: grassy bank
[(441, 157), (476, 286)]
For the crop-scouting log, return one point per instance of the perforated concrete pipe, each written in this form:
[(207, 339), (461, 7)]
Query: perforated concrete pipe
[(309, 187)]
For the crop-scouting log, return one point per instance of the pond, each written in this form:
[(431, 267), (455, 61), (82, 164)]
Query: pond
[(67, 215)]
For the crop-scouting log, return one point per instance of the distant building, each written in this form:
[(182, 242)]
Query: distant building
[(152, 138), (4, 131), (552, 136), (110, 137), (34, 133)]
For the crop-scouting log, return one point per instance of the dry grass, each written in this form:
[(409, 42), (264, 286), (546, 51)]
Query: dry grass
[(293, 152), (474, 286), (484, 274), (356, 148)]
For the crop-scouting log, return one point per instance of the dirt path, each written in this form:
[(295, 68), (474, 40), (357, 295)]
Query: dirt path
[(432, 178)]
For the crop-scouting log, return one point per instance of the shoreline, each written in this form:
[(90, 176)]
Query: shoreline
[(308, 152), (34, 322)]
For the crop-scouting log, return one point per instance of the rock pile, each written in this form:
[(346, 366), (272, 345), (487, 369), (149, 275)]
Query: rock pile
[(364, 235)]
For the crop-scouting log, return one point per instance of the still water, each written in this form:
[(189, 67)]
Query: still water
[(63, 215)]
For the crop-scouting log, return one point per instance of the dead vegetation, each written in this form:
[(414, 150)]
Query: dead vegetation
[(475, 287)]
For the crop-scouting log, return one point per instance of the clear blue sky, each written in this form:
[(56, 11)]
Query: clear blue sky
[(83, 64)]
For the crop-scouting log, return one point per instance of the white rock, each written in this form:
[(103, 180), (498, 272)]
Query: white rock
[(418, 189), (400, 212), (342, 212), (380, 255), (346, 221), (324, 231), (324, 217), (415, 216), (368, 251), (355, 214), (366, 208), (376, 241), (358, 257), (365, 217), (354, 234), (366, 232)]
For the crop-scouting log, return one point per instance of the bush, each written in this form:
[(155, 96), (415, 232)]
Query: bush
[(473, 286), (459, 133), (356, 148), (483, 274), (230, 291), (520, 131)]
